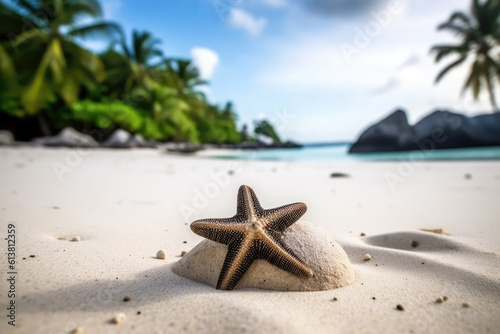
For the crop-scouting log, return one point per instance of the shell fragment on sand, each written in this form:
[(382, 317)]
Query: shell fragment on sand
[(320, 252), (119, 319), (160, 255)]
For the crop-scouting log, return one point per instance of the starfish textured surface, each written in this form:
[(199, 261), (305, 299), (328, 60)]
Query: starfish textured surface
[(253, 233)]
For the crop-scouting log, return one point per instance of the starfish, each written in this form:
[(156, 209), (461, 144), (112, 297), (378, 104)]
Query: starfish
[(253, 233)]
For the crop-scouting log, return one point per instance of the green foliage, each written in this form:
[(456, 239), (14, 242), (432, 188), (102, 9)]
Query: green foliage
[(265, 128), (117, 113), (40, 34), (479, 32), (133, 86)]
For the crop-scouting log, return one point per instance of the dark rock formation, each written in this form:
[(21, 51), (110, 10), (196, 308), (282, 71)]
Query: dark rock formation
[(439, 130)]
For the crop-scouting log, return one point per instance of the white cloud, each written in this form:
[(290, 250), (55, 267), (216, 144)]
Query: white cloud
[(239, 18), (205, 60), (396, 64)]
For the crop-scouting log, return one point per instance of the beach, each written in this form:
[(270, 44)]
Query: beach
[(125, 205)]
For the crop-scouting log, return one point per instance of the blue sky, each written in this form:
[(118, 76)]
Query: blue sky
[(320, 69)]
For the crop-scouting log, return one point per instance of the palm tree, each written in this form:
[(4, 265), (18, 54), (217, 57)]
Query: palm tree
[(134, 66), (263, 127), (40, 35), (185, 77), (480, 35)]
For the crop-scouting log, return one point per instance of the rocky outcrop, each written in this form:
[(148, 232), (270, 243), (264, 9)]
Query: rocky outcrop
[(6, 137), (123, 139), (439, 130), (118, 139), (318, 250), (68, 137)]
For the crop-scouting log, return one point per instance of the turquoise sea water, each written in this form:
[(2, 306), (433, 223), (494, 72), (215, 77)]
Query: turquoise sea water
[(329, 152)]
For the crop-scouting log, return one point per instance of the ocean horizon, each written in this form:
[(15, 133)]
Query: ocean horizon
[(339, 151)]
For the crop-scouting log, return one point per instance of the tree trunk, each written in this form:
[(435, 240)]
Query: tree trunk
[(43, 125)]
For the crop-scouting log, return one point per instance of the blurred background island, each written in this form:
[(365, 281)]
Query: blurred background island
[(71, 75)]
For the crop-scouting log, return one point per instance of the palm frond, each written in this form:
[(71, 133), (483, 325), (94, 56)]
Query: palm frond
[(461, 18), (35, 95), (7, 68), (101, 29), (449, 67), (474, 80), (13, 23), (29, 36), (458, 30), (445, 50), (30, 7)]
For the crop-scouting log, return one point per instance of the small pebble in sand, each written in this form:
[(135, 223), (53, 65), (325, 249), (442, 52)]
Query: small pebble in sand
[(138, 312), (160, 255), (119, 318), (373, 298), (362, 234), (445, 298), (400, 307), (126, 298), (184, 242), (439, 300), (183, 253), (334, 299), (77, 330), (367, 257), (465, 304), (339, 175), (76, 239), (415, 243), (32, 255)]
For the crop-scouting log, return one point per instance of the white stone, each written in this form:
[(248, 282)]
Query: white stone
[(119, 318), (68, 137), (6, 137), (118, 139), (160, 255), (314, 246)]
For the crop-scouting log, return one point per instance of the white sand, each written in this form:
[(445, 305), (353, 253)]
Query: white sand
[(126, 205)]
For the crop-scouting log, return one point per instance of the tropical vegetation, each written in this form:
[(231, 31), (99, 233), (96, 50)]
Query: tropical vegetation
[(479, 32), (47, 73)]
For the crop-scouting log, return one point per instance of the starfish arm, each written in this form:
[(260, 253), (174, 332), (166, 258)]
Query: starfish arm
[(240, 256), (278, 219), (248, 204), (218, 230), (278, 254)]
